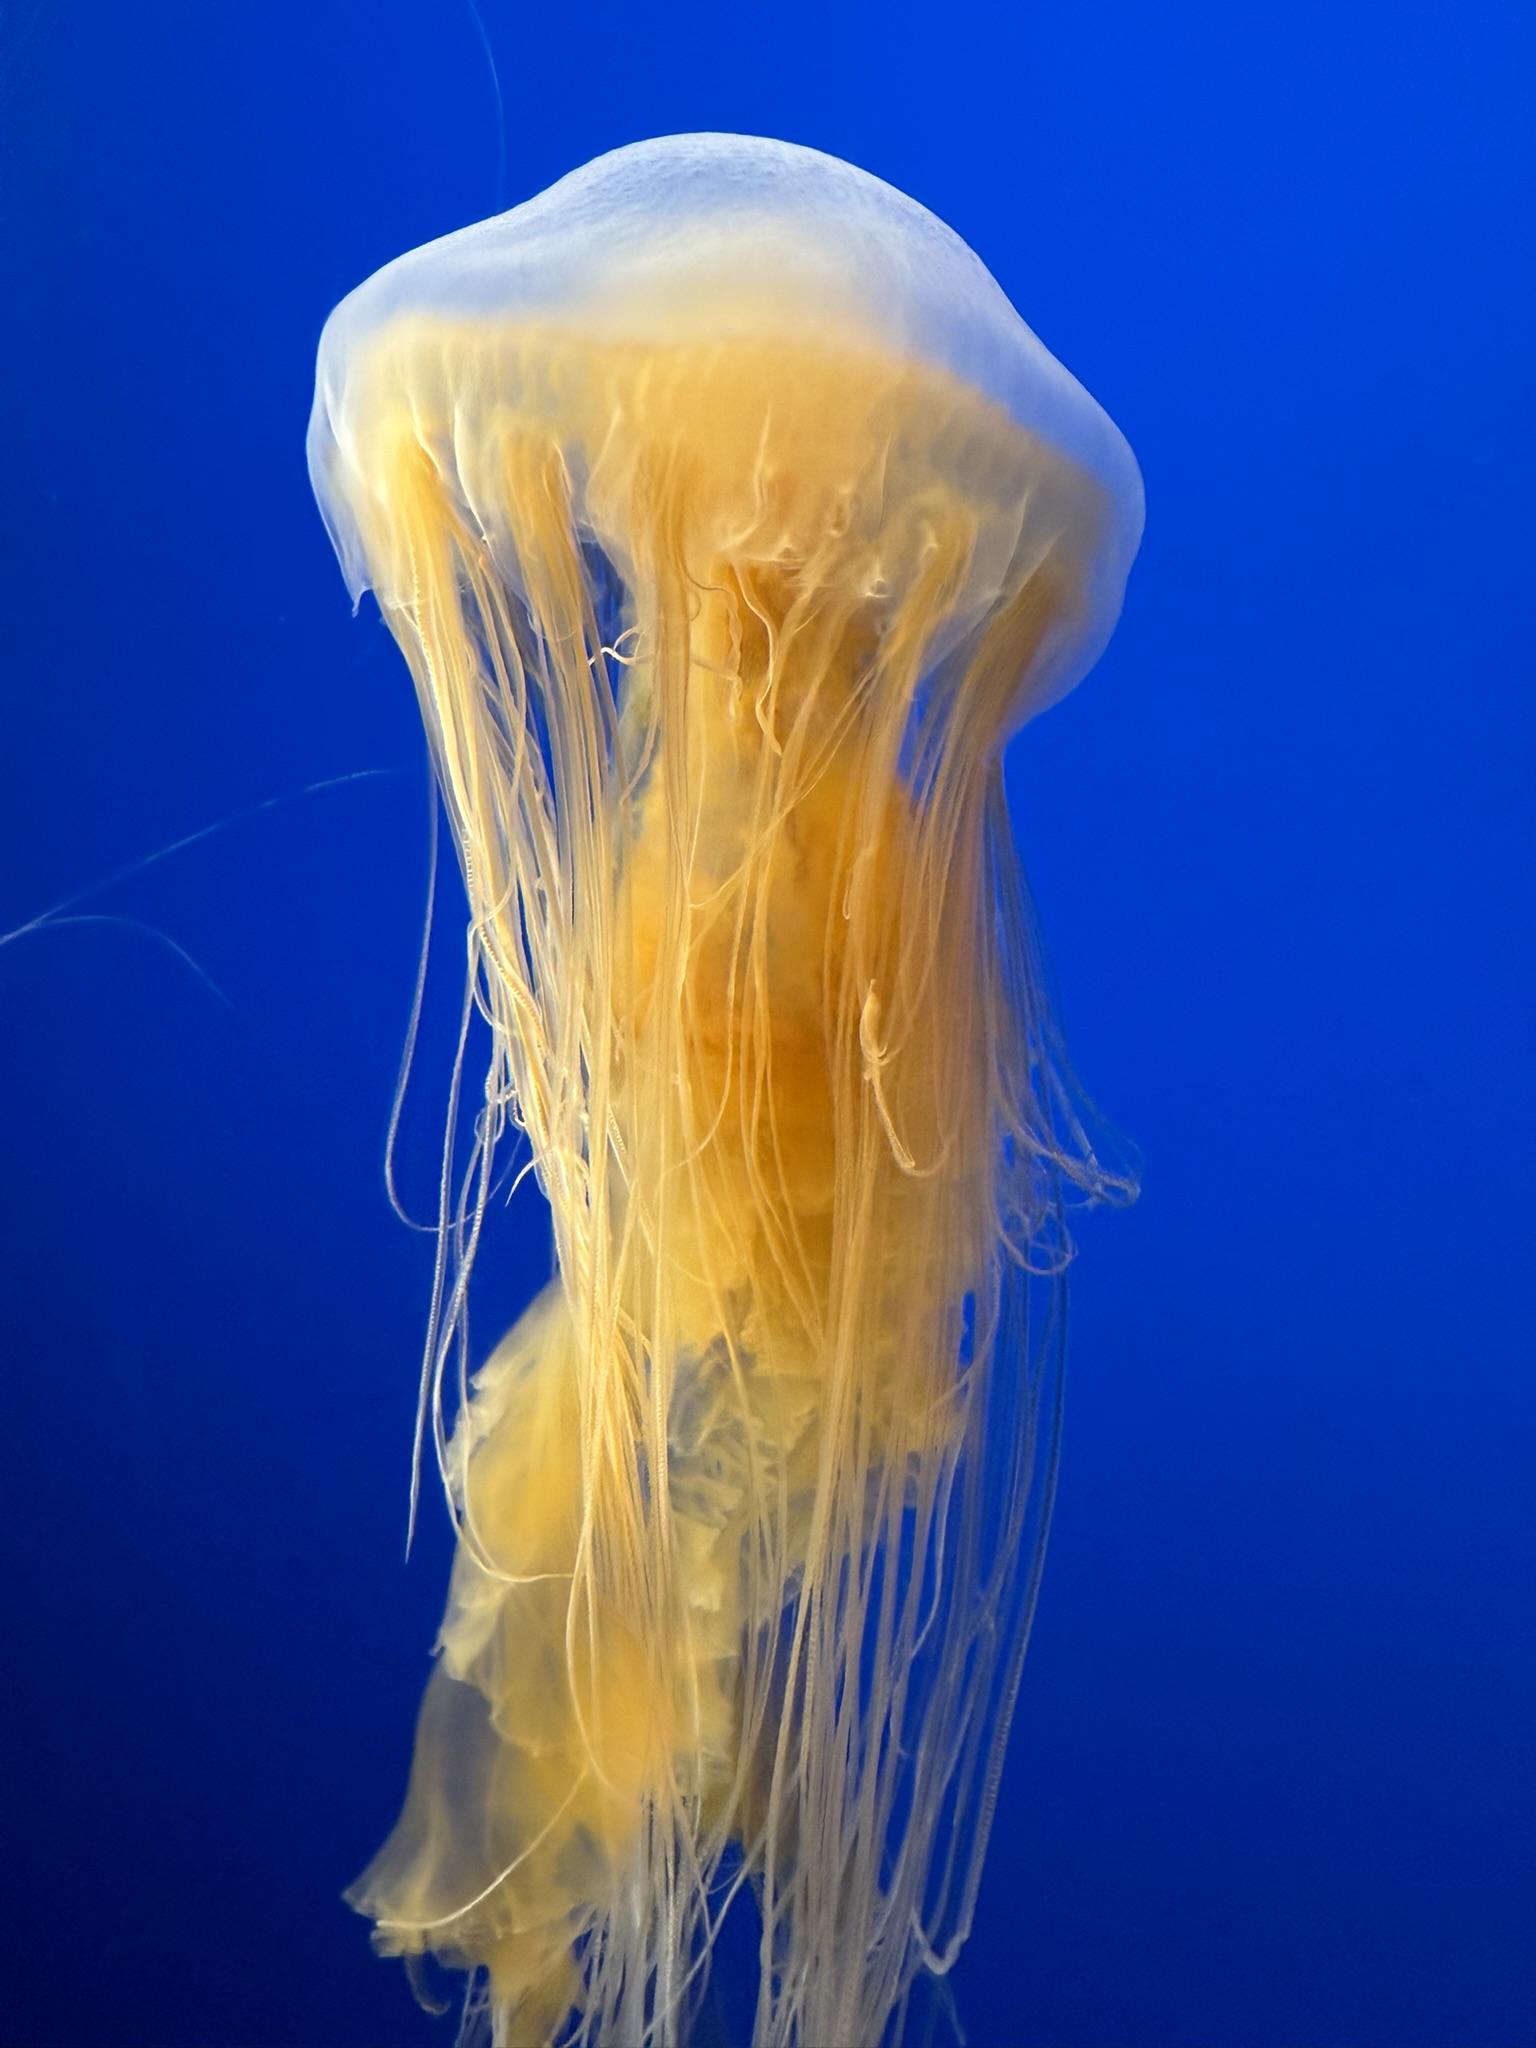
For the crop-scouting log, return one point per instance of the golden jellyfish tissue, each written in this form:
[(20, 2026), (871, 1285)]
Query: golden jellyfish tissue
[(730, 520)]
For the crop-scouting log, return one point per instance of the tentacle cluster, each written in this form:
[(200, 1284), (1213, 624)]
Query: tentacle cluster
[(717, 647)]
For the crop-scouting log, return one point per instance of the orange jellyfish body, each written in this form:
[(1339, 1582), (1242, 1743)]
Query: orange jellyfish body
[(730, 521)]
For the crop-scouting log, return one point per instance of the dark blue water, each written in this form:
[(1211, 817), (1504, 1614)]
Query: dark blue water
[(1272, 1773)]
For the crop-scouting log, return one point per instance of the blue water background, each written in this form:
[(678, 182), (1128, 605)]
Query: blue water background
[(1272, 1776)]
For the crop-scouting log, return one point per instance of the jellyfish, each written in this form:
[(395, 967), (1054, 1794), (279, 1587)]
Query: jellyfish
[(730, 521)]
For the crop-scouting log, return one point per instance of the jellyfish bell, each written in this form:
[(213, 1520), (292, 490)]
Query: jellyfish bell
[(724, 237), (730, 520)]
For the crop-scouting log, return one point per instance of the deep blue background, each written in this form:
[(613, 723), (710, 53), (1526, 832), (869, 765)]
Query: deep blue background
[(1272, 1774)]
